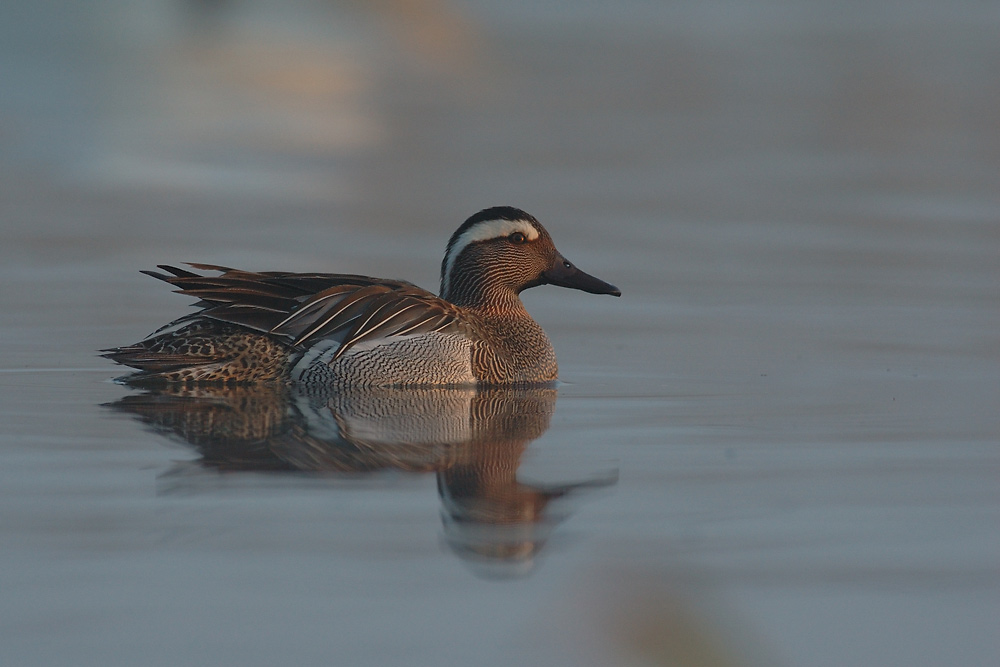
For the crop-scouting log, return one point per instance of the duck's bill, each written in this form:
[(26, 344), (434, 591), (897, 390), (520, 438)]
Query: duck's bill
[(565, 274)]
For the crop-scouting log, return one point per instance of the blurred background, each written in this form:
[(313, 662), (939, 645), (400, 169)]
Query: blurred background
[(799, 200)]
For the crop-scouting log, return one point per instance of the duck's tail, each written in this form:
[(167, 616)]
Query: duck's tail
[(203, 350)]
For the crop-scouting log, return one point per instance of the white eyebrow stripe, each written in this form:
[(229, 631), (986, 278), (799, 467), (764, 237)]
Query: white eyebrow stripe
[(484, 231)]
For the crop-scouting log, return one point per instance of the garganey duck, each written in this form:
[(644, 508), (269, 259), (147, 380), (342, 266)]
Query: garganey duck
[(349, 330)]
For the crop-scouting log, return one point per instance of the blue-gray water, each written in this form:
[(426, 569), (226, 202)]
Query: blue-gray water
[(789, 419)]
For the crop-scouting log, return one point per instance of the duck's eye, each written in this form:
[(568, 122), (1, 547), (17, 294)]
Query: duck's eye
[(517, 238)]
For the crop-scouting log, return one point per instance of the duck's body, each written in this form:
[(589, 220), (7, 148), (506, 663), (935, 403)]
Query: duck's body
[(336, 329)]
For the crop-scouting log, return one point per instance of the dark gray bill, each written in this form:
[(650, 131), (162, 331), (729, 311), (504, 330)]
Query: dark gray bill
[(565, 274)]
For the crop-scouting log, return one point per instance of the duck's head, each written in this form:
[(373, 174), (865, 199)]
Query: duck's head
[(501, 251)]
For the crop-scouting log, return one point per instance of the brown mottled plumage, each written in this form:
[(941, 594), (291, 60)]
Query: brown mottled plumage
[(339, 329)]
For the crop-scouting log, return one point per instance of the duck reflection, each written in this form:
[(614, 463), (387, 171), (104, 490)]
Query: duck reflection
[(472, 438)]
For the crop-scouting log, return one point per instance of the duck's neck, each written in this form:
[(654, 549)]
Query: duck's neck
[(487, 300)]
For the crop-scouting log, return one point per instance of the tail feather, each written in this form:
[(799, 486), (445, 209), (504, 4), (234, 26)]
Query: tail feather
[(151, 361)]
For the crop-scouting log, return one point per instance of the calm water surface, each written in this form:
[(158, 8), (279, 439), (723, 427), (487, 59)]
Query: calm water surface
[(780, 446)]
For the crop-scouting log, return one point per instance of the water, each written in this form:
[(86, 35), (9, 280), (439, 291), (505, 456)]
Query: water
[(781, 443)]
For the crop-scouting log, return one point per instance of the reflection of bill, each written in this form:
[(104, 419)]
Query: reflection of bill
[(472, 438)]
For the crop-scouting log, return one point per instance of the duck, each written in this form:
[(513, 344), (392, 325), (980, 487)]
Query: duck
[(344, 330)]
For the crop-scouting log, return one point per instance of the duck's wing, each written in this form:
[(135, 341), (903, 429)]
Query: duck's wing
[(304, 307), (352, 314)]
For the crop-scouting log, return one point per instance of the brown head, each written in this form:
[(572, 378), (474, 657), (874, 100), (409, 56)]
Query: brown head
[(501, 251)]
